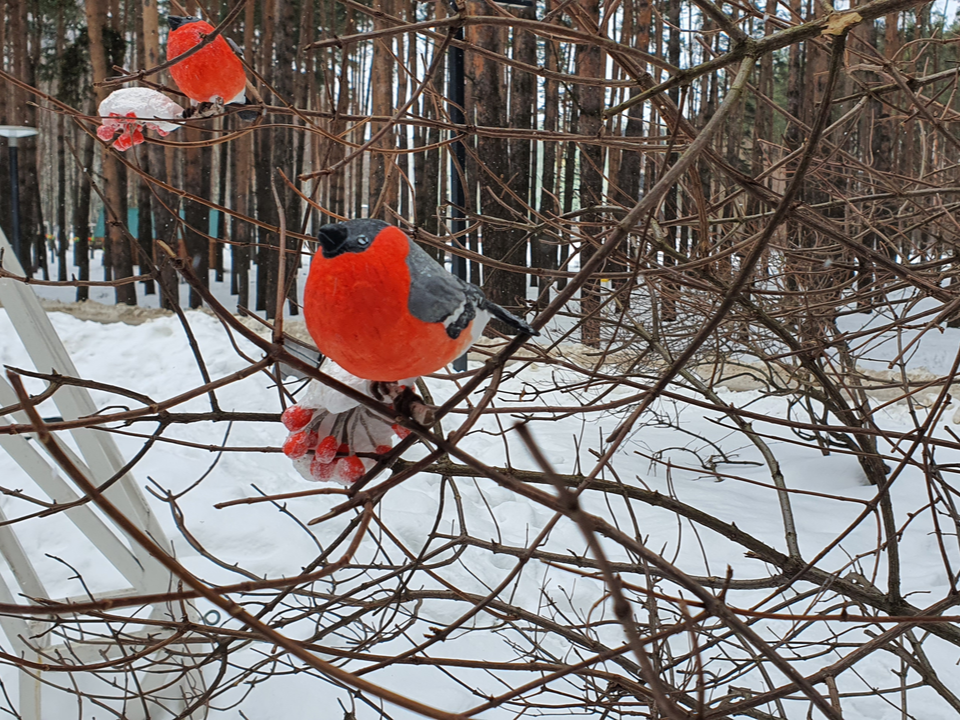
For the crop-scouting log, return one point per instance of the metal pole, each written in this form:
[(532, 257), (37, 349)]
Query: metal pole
[(15, 202), (455, 90)]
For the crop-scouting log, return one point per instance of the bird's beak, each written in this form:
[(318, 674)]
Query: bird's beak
[(175, 22), (332, 237)]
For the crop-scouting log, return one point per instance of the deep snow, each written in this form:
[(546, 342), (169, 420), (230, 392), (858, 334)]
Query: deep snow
[(154, 359)]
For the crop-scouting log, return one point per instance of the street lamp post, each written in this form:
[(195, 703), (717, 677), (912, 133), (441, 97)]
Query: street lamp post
[(13, 133), (456, 93)]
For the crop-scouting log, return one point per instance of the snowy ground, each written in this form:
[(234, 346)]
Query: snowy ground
[(107, 295), (154, 358)]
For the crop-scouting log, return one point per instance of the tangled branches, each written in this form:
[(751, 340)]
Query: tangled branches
[(722, 483)]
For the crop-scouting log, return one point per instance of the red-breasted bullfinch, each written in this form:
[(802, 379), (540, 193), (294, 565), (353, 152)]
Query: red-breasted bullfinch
[(213, 74), (383, 309)]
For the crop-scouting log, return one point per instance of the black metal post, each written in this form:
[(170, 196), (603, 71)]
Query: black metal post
[(455, 91), (15, 203)]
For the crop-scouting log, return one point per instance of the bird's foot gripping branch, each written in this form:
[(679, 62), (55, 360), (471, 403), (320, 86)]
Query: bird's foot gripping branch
[(334, 438)]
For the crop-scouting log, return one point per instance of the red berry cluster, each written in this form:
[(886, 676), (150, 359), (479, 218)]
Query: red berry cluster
[(320, 442), (130, 131), (130, 127)]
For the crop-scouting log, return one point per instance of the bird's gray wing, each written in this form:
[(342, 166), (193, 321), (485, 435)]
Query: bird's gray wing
[(438, 296), (233, 46)]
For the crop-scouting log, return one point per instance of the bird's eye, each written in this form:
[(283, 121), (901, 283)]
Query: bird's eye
[(363, 240)]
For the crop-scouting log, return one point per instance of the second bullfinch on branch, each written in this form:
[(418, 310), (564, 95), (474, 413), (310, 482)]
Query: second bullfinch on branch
[(213, 74)]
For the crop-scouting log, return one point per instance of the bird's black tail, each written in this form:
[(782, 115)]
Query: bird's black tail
[(509, 318)]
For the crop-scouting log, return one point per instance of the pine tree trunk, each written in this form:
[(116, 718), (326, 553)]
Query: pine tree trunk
[(159, 202), (220, 231), (114, 188), (335, 153), (671, 204), (144, 216), (522, 102), (30, 170), (267, 260), (569, 186), (383, 175), (196, 181), (499, 242), (545, 256), (21, 112), (590, 64), (426, 164), (62, 234), (241, 234), (636, 32), (285, 155), (242, 231), (164, 206), (405, 86), (764, 119)]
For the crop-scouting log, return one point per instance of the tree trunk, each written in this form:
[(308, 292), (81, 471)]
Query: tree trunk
[(795, 82), (285, 155), (426, 163), (121, 265), (267, 266), (145, 238), (405, 87), (60, 201), (671, 203), (545, 255), (590, 64), (569, 186), (220, 231), (383, 176), (163, 205), (500, 242), (763, 128), (522, 104), (242, 231), (21, 112), (196, 181), (335, 150)]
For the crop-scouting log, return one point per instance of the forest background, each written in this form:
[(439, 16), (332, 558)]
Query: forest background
[(553, 129)]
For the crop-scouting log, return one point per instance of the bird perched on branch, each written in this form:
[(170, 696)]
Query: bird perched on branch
[(383, 309), (214, 74)]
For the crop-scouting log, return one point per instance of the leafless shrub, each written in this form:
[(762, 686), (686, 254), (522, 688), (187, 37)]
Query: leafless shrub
[(783, 265)]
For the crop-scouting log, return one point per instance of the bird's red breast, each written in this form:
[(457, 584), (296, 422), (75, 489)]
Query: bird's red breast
[(213, 71), (355, 307)]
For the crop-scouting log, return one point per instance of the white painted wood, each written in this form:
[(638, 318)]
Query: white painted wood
[(98, 450), (48, 478), (99, 460)]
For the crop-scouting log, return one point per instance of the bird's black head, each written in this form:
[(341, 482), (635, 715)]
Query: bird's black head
[(352, 236), (176, 22)]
